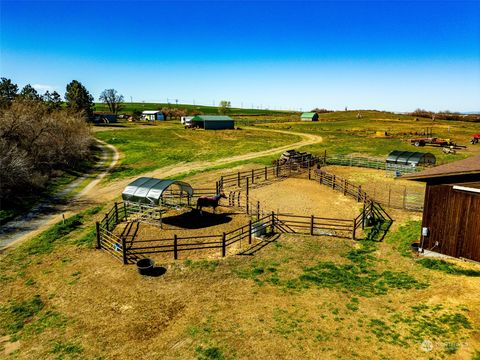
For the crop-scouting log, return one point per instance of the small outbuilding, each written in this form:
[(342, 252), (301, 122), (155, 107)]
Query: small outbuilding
[(451, 215), (410, 158), (155, 192), (152, 115), (104, 118), (309, 116), (213, 122)]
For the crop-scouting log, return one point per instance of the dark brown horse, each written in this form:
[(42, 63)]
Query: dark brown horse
[(209, 201)]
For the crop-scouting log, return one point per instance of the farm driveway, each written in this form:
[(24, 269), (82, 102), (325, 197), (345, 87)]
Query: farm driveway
[(51, 210), (37, 220)]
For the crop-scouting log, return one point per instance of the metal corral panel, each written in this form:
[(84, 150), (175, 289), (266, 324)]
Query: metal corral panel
[(410, 158), (146, 190)]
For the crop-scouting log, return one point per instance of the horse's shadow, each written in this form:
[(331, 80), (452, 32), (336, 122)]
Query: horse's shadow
[(195, 220)]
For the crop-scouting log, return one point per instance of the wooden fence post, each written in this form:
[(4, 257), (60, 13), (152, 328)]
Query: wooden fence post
[(359, 192), (253, 176), (344, 187), (247, 196), (309, 171), (175, 247), (125, 210), (266, 175), (124, 251), (97, 226), (238, 179), (354, 228), (250, 232), (363, 217), (221, 183), (258, 210), (312, 221), (273, 221), (333, 181), (224, 245), (116, 213)]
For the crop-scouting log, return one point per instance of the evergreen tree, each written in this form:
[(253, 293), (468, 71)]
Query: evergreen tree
[(8, 92), (79, 99)]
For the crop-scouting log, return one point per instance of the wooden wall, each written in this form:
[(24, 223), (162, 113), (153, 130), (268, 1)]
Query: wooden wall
[(453, 219)]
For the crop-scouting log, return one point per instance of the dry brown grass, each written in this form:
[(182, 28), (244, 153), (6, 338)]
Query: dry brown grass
[(236, 307)]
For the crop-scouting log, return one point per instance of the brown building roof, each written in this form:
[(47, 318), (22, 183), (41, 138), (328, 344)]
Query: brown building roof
[(469, 166)]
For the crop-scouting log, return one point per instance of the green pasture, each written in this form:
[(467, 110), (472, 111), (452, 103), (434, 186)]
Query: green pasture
[(148, 148), (343, 133), (210, 110)]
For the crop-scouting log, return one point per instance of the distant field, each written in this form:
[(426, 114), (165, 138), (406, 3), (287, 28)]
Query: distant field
[(344, 134), (148, 148), (211, 110)]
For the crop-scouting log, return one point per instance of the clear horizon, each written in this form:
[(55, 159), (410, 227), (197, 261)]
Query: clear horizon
[(395, 56)]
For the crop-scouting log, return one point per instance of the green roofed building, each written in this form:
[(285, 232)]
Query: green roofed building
[(309, 116), (213, 122)]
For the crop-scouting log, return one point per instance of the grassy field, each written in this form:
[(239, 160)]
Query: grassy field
[(148, 148), (205, 109), (344, 134), (301, 297)]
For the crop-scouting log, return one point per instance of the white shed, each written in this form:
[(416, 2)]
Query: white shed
[(185, 120), (152, 115)]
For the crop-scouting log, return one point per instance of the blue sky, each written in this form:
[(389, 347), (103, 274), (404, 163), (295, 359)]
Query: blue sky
[(388, 55)]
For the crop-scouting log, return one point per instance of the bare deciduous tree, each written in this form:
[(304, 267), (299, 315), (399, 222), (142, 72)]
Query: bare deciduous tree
[(113, 100)]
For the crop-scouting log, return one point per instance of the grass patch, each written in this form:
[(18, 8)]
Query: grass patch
[(424, 323), (447, 267), (16, 315), (402, 239), (209, 265), (63, 350), (184, 145), (209, 353), (359, 277)]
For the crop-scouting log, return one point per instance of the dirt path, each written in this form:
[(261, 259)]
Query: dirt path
[(51, 210), (114, 189), (39, 219)]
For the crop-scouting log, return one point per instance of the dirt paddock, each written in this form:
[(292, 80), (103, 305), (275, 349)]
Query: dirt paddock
[(187, 223), (305, 197)]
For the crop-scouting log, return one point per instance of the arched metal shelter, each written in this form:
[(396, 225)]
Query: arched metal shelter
[(151, 191), (411, 158)]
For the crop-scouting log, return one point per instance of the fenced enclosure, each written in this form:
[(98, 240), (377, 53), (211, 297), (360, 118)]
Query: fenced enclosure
[(263, 224)]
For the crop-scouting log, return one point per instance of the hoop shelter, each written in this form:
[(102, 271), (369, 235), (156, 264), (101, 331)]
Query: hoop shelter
[(411, 158), (150, 191)]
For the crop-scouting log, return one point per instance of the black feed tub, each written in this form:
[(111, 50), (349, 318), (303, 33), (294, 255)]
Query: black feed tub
[(415, 246), (145, 266)]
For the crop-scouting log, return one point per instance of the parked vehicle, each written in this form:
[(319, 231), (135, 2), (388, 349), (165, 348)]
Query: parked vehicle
[(475, 139)]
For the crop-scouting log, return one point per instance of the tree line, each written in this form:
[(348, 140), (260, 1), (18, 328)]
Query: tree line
[(40, 138)]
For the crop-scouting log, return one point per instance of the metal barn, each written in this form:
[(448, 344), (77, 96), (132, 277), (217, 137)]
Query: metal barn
[(309, 116), (451, 212), (410, 158), (213, 122)]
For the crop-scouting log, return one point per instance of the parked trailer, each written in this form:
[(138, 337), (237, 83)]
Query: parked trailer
[(432, 141)]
